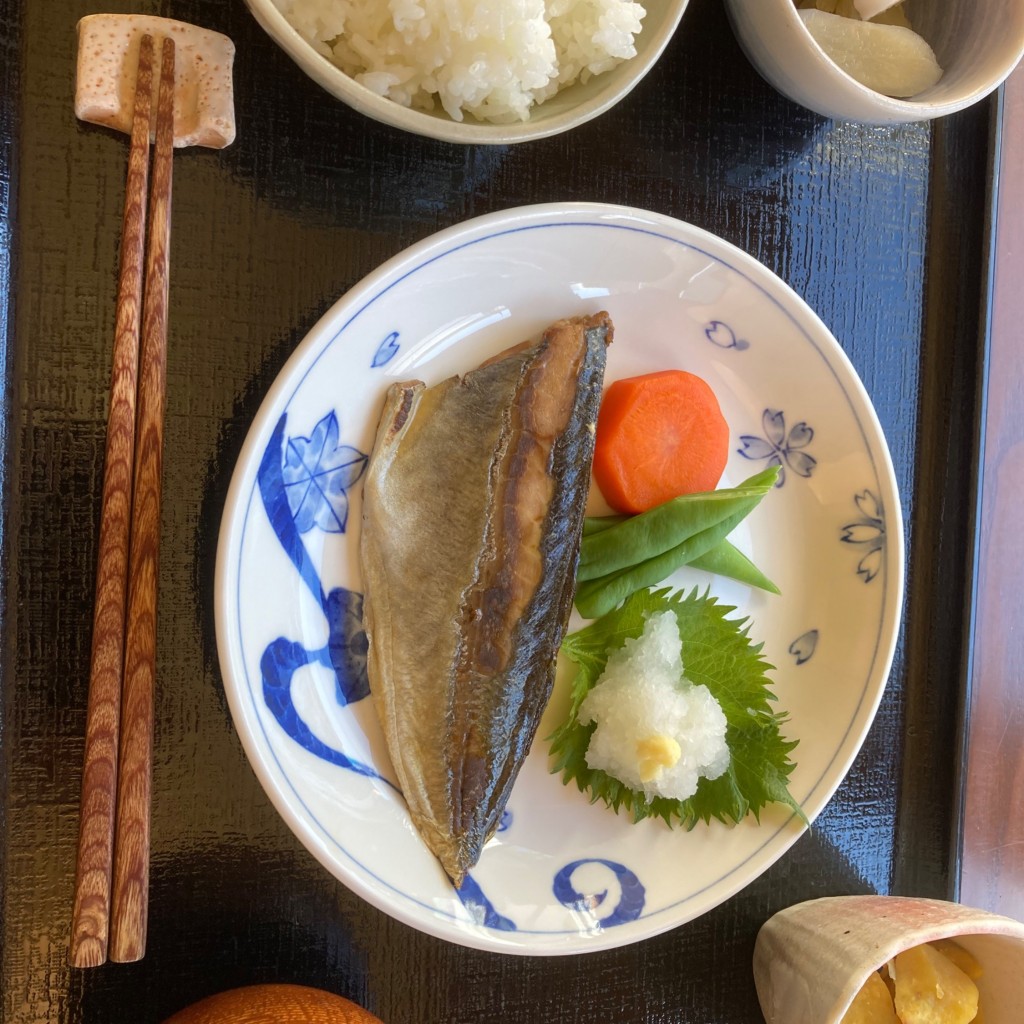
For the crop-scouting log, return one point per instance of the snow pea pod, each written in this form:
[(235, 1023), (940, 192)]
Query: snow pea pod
[(598, 524), (666, 527), (725, 559), (594, 597)]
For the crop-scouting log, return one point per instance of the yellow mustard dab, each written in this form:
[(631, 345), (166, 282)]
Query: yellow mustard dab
[(928, 984), (656, 753)]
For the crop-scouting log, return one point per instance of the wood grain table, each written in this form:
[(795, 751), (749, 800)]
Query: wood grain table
[(992, 840), (884, 231)]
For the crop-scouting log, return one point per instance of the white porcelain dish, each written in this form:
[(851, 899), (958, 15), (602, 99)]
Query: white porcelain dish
[(573, 106), (562, 875), (977, 43)]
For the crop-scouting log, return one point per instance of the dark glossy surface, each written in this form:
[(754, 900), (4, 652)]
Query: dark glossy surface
[(879, 229)]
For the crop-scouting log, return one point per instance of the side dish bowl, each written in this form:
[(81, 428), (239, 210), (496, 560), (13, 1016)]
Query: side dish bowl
[(572, 106), (977, 43), (811, 959)]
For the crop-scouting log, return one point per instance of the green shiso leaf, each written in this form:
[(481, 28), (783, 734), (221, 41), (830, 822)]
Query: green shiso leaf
[(717, 653)]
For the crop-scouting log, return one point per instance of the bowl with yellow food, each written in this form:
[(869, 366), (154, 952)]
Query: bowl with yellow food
[(889, 960)]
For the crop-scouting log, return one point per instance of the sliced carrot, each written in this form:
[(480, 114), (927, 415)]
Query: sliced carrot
[(658, 436)]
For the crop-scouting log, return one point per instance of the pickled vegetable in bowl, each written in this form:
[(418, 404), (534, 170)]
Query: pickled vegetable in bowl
[(933, 983), (874, 43), (865, 959), (976, 43)]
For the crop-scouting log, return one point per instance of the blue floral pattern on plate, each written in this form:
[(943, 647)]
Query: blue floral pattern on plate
[(386, 351), (722, 335), (869, 532), (779, 448), (317, 473), (345, 651), (804, 646)]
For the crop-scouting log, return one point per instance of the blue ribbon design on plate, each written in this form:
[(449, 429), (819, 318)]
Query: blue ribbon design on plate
[(631, 898), (474, 900), (345, 652)]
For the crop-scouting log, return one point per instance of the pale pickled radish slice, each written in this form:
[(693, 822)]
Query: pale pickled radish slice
[(893, 16), (847, 9), (891, 60), (844, 8), (869, 9)]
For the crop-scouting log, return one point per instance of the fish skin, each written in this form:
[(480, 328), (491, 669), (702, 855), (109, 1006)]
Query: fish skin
[(473, 507)]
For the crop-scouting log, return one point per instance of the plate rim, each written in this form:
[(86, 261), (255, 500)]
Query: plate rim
[(286, 383)]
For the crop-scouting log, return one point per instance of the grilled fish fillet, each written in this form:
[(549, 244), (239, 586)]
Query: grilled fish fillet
[(472, 510)]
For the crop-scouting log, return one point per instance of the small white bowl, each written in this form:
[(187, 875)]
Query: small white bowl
[(811, 959), (977, 43), (568, 108)]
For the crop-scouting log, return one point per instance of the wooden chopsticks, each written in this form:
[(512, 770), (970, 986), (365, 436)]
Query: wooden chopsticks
[(113, 844)]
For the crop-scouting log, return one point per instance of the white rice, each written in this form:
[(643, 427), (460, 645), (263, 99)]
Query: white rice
[(493, 59), (642, 694)]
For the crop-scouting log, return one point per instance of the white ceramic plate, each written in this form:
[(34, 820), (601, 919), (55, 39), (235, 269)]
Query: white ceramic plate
[(561, 875)]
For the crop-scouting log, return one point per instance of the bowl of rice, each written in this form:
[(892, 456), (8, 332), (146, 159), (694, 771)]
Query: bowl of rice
[(474, 71)]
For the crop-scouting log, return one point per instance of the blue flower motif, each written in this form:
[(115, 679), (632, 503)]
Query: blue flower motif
[(869, 530), (722, 335), (386, 351), (778, 447), (317, 474), (804, 646)]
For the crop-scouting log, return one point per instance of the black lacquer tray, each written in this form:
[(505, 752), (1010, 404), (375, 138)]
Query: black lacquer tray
[(881, 230)]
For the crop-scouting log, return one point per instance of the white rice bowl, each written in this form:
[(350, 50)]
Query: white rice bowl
[(493, 59)]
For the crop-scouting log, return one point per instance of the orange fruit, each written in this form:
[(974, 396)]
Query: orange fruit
[(274, 1004)]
